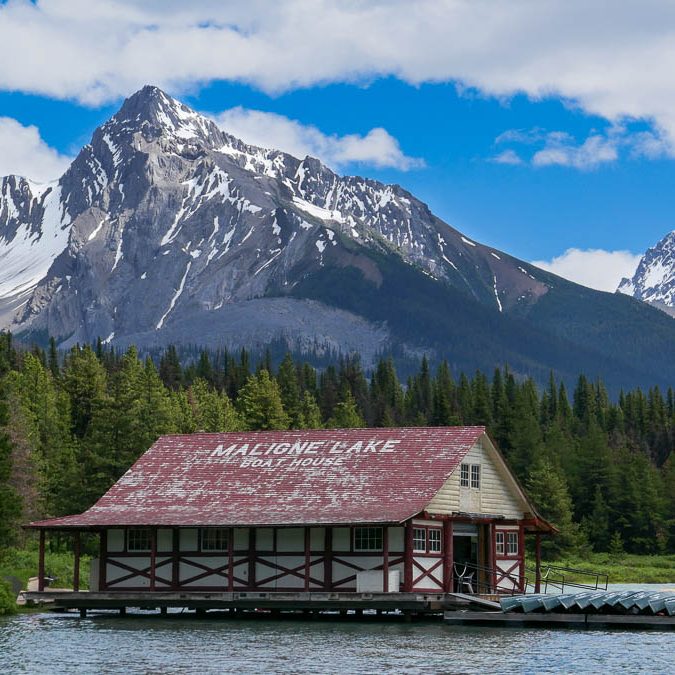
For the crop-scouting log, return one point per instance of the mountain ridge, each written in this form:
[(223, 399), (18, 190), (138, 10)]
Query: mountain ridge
[(167, 229)]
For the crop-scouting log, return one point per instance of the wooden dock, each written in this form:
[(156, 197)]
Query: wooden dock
[(277, 601), (558, 620)]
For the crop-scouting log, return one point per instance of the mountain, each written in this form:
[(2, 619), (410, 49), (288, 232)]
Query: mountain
[(654, 278), (166, 229)]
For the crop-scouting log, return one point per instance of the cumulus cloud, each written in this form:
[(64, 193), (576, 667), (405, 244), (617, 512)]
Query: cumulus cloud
[(270, 130), (559, 148), (595, 268), (507, 157), (24, 152), (610, 59)]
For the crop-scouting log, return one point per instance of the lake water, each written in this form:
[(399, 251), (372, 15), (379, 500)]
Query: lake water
[(141, 643)]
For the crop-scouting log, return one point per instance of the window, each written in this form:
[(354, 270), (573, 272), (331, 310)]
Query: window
[(499, 543), (139, 539), (434, 540), (512, 543), (475, 476), (420, 539), (464, 475), (215, 539), (367, 538)]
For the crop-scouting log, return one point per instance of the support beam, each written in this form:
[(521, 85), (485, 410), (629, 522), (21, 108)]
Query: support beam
[(41, 562), (76, 561), (408, 558), (251, 558), (537, 562), (493, 557), (448, 553), (103, 552), (175, 559), (328, 560), (153, 557), (521, 555), (385, 559), (230, 559), (308, 554)]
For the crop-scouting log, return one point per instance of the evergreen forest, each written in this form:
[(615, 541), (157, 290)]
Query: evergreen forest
[(71, 424)]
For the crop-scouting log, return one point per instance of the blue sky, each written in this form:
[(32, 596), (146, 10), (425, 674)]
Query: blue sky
[(535, 159)]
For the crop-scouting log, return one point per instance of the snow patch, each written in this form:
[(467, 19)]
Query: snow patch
[(177, 295)]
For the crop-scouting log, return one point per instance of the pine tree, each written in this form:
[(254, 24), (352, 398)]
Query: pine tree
[(10, 500), (346, 415), (260, 403), (548, 490)]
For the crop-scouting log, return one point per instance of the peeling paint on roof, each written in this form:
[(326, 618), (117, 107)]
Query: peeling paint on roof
[(328, 476)]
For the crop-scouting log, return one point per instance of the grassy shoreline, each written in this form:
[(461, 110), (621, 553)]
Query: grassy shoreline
[(624, 568)]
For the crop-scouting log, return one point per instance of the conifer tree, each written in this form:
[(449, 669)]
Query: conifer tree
[(346, 415), (260, 405)]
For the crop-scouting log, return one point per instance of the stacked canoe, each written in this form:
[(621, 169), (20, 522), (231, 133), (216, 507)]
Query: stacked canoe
[(652, 603)]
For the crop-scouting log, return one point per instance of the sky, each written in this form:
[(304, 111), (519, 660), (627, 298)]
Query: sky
[(544, 129)]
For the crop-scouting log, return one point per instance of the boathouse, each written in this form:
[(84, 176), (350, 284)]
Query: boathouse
[(409, 510)]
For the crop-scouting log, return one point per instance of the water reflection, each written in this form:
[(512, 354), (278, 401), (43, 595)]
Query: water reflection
[(46, 643)]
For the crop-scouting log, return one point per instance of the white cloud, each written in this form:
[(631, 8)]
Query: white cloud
[(611, 59), (269, 130), (24, 152), (559, 148), (562, 150), (595, 268), (507, 157)]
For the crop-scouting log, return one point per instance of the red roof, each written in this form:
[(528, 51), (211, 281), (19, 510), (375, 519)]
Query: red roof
[(281, 478)]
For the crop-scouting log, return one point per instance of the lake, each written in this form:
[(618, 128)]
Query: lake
[(144, 643)]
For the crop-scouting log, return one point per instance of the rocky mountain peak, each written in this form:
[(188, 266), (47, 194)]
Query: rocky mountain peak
[(654, 278)]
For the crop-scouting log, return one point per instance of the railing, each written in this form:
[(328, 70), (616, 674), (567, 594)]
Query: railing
[(557, 578), (482, 580)]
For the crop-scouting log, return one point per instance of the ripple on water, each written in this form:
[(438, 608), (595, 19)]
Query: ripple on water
[(44, 643)]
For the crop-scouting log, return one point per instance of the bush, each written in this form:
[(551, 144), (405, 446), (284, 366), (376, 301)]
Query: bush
[(7, 599)]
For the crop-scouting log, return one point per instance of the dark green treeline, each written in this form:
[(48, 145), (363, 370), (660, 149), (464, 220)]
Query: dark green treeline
[(69, 427)]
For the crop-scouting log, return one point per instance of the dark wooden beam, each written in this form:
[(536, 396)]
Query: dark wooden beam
[(153, 557), (76, 560), (408, 558), (41, 562), (447, 556), (251, 557), (308, 557), (102, 560), (537, 563), (328, 560), (175, 559), (385, 559), (230, 559)]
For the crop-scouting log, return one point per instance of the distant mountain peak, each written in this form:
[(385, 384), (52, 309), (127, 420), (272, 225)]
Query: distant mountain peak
[(654, 278)]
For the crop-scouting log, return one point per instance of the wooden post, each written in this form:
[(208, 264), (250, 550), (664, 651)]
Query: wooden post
[(41, 562), (101, 560), (408, 558), (175, 561), (537, 563), (230, 559), (493, 556), (308, 552), (521, 555), (328, 560), (251, 558), (76, 561), (447, 557), (385, 559), (153, 556)]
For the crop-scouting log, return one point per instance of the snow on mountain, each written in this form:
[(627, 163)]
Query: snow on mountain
[(163, 205), (166, 229), (654, 278)]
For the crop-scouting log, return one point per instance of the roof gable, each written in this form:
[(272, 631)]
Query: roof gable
[(282, 478)]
